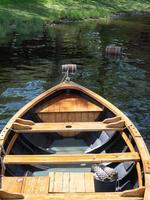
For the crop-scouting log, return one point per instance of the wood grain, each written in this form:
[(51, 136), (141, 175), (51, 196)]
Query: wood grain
[(12, 184), (68, 159), (68, 103), (80, 196), (67, 127), (69, 116), (71, 182), (37, 184)]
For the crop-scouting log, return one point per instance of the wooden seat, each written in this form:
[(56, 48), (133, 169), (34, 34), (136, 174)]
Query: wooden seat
[(58, 186), (67, 127), (69, 108), (71, 182), (25, 185), (69, 159)]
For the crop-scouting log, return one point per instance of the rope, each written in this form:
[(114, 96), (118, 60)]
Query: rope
[(68, 69), (104, 173), (65, 77)]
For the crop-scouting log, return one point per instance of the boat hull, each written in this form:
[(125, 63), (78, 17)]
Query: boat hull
[(61, 134)]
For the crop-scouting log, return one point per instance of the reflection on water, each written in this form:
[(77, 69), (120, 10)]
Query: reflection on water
[(29, 66)]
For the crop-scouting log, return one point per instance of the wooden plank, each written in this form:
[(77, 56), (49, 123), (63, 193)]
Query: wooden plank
[(12, 184), (78, 117), (80, 196), (91, 117), (58, 117), (37, 184), (64, 117), (147, 166), (139, 173), (68, 103), (89, 182), (68, 159), (80, 179), (67, 127), (47, 117), (66, 182), (84, 116), (142, 148), (43, 117), (58, 181), (51, 182), (147, 180), (147, 186), (73, 182), (70, 117), (127, 141), (77, 182), (138, 167), (51, 117), (67, 116), (96, 114)]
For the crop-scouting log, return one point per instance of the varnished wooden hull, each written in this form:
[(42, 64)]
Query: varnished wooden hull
[(64, 132)]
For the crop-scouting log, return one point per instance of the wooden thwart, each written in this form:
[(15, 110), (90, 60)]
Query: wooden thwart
[(70, 127), (69, 159)]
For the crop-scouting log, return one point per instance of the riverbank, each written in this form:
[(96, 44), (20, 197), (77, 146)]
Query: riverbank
[(26, 17)]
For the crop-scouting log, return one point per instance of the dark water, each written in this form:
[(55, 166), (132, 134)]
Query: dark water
[(31, 64)]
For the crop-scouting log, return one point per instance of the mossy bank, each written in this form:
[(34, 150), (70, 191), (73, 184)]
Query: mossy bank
[(29, 16)]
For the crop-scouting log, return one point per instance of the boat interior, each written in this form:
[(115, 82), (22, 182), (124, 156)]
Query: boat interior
[(65, 135)]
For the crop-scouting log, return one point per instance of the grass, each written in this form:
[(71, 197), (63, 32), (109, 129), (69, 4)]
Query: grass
[(28, 15)]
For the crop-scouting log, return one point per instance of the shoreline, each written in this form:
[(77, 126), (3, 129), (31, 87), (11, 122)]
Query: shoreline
[(27, 18), (119, 15)]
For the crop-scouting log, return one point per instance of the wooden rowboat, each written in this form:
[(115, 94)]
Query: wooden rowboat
[(52, 147)]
